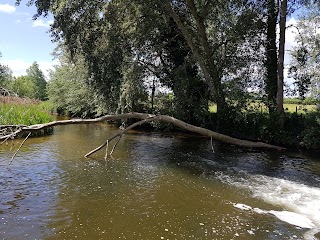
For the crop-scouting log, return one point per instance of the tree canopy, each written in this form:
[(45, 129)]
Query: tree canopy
[(118, 56)]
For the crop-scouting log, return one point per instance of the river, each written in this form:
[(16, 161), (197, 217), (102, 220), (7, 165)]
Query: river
[(157, 186)]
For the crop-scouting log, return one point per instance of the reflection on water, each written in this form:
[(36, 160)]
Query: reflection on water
[(156, 187)]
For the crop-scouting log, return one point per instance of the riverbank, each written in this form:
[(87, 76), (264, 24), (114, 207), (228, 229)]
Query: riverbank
[(298, 130), (15, 111)]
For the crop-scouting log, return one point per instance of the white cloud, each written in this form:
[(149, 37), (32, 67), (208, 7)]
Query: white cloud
[(41, 23), (19, 66), (46, 66), (291, 33), (6, 8)]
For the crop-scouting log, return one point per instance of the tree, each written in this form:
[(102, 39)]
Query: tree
[(182, 76), (39, 82), (214, 31), (282, 27), (2, 72), (305, 63), (69, 90), (6, 75), (278, 10), (271, 55), (108, 35), (24, 86)]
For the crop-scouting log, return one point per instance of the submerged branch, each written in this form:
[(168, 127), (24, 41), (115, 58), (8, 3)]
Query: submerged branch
[(20, 147), (119, 134)]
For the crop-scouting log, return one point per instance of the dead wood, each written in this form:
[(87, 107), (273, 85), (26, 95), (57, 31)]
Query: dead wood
[(20, 147), (145, 119)]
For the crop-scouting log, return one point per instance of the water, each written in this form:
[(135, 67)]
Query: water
[(155, 187)]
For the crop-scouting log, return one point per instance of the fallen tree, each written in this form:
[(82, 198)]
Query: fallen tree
[(145, 118)]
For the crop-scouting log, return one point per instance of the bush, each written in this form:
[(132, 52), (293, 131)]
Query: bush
[(297, 130)]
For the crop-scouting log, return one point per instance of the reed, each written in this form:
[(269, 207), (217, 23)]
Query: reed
[(15, 111)]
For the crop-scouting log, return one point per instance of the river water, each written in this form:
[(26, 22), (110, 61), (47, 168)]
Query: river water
[(156, 187)]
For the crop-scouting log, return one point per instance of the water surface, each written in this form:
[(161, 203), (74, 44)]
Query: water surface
[(155, 187)]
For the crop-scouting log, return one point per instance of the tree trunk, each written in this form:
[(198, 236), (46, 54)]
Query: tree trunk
[(272, 59), (153, 90), (147, 118), (282, 26), (201, 52)]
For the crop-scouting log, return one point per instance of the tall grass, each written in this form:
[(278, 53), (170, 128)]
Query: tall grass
[(15, 111)]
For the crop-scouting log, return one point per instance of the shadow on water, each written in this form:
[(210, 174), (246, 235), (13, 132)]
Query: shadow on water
[(157, 187), (194, 154)]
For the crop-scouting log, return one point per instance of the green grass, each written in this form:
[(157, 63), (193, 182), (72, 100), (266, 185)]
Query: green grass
[(16, 111), (302, 109), (299, 108)]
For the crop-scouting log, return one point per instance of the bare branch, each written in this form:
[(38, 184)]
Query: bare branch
[(114, 147), (191, 44), (19, 147), (119, 134), (149, 118), (107, 147)]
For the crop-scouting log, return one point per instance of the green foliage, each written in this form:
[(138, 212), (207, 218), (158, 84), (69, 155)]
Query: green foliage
[(69, 91), (24, 86), (304, 66), (306, 101), (32, 85), (299, 130), (200, 51), (133, 95), (27, 114), (39, 83), (5, 75)]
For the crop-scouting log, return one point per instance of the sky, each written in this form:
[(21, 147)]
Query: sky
[(23, 40)]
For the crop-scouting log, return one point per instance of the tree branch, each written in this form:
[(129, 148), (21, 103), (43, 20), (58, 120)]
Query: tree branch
[(191, 44), (19, 147), (200, 27), (145, 119)]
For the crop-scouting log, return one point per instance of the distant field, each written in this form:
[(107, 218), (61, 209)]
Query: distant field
[(299, 108), (287, 107)]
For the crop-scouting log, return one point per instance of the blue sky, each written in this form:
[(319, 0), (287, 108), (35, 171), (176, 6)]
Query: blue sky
[(23, 40)]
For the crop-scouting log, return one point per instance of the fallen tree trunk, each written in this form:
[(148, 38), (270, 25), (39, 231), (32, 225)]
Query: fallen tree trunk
[(145, 118)]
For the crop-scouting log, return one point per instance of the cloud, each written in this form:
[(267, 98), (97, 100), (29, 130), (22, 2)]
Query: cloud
[(19, 66), (46, 66), (291, 33), (6, 8), (41, 23)]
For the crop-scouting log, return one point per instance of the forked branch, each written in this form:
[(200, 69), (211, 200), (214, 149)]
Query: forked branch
[(145, 119)]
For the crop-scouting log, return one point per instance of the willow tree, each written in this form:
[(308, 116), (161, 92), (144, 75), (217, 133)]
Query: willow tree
[(214, 31), (110, 33)]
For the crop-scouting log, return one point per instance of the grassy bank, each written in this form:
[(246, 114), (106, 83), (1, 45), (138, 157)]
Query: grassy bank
[(15, 111), (288, 107)]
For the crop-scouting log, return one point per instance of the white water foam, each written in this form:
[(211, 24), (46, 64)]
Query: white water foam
[(296, 219), (301, 202)]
